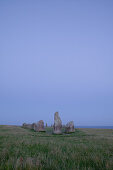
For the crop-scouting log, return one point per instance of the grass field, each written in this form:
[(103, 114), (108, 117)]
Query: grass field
[(86, 149)]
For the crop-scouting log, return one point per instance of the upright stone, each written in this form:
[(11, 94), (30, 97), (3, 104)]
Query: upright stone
[(40, 126), (70, 127), (57, 124), (24, 125), (34, 126)]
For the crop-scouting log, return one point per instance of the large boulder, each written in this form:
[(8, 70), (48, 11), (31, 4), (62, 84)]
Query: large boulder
[(28, 126), (70, 127), (57, 124), (40, 126)]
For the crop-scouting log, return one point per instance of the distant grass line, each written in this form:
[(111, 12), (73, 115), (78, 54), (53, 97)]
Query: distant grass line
[(86, 149)]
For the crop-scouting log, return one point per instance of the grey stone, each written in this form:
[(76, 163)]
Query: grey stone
[(28, 126), (57, 124), (70, 127), (24, 124), (40, 126), (34, 126)]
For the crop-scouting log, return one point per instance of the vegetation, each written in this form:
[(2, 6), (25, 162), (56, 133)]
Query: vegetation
[(86, 149)]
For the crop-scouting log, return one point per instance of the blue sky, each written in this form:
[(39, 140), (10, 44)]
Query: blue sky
[(56, 56)]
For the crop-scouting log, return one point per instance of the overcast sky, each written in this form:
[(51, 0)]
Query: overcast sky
[(56, 55)]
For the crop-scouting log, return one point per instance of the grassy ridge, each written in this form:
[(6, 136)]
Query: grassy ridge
[(86, 149)]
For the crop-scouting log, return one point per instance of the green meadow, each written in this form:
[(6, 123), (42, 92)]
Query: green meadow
[(86, 149)]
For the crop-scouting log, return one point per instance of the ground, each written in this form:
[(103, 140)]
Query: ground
[(86, 149)]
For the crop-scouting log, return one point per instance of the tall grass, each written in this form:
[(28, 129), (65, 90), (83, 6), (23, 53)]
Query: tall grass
[(86, 149)]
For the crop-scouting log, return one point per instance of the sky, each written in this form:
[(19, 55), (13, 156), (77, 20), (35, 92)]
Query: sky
[(56, 55)]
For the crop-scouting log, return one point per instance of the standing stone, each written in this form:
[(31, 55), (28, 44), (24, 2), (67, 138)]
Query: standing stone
[(70, 127), (40, 126), (57, 124), (24, 124), (34, 126)]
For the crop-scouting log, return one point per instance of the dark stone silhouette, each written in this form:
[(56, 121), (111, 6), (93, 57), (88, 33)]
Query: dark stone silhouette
[(34, 126)]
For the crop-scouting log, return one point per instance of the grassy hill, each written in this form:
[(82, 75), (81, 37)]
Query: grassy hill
[(86, 149)]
